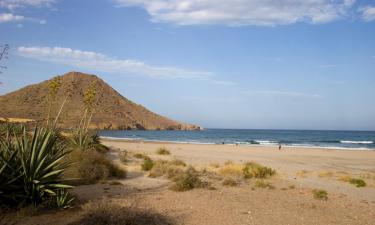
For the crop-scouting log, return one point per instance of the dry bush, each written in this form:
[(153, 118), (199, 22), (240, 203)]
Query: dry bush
[(325, 174), (169, 168), (230, 182), (104, 213), (163, 151), (123, 156), (140, 156), (231, 170), (264, 184), (254, 170), (188, 180), (92, 166)]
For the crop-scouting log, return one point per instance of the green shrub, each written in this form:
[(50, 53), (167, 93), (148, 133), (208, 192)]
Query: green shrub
[(357, 182), (31, 166), (254, 170), (320, 194), (188, 180), (163, 151), (147, 164)]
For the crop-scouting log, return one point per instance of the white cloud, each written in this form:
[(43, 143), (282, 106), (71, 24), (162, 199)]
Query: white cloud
[(368, 13), (285, 94), (13, 4), (241, 12), (9, 17), (100, 62)]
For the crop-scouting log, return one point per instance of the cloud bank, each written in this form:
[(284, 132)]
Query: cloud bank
[(100, 62), (241, 12), (368, 13), (14, 4)]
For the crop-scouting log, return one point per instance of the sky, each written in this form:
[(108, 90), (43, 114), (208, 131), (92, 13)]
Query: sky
[(261, 64)]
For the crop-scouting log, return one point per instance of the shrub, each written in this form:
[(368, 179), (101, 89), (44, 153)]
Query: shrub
[(357, 182), (254, 170), (264, 184), (163, 151), (188, 180), (230, 182), (92, 166), (169, 168), (31, 168), (123, 155), (231, 170), (108, 213), (320, 194), (147, 164), (140, 156)]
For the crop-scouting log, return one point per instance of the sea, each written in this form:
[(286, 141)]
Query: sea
[(329, 139)]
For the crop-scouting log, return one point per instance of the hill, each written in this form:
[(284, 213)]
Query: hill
[(111, 110)]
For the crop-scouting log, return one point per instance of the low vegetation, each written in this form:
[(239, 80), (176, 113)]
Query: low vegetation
[(123, 156), (230, 182), (140, 156), (357, 182), (163, 151), (263, 184), (247, 170), (91, 167), (109, 213), (147, 164), (320, 194), (187, 180), (31, 167)]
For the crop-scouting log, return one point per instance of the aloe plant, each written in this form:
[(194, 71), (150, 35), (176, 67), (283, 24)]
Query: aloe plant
[(31, 168)]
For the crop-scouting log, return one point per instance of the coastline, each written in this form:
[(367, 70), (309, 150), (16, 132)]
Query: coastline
[(137, 140)]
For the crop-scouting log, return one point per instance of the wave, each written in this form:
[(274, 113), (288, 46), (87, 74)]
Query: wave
[(357, 142)]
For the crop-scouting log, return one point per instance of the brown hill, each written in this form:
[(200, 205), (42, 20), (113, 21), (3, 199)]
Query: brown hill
[(111, 110)]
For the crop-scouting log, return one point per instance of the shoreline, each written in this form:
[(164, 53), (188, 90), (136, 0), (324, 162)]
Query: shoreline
[(139, 140)]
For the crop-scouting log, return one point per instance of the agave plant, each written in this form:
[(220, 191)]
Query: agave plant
[(63, 199), (31, 168), (85, 140)]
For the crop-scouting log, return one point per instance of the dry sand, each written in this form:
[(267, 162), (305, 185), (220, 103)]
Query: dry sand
[(290, 202)]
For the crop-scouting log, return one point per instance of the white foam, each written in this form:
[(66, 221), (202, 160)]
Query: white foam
[(357, 142)]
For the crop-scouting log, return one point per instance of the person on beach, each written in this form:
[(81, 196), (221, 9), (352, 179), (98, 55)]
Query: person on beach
[(279, 146)]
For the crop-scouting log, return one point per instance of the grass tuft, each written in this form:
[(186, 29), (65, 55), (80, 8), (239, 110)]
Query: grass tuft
[(320, 194), (163, 151), (264, 184), (357, 182)]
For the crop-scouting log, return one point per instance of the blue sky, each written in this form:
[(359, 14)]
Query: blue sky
[(223, 64)]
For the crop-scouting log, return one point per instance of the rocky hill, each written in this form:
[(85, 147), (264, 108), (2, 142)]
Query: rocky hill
[(111, 110)]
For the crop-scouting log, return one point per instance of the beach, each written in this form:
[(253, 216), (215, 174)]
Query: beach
[(285, 198)]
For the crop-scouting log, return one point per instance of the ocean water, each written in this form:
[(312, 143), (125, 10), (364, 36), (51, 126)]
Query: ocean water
[(300, 138)]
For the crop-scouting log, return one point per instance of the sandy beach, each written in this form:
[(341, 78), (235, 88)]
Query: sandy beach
[(286, 199)]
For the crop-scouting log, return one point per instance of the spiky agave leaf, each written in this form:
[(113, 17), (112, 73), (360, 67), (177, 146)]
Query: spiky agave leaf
[(40, 159)]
